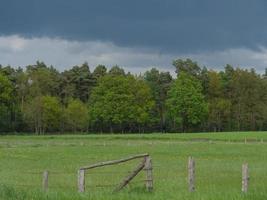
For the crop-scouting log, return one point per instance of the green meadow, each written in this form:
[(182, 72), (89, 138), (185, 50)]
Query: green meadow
[(218, 157)]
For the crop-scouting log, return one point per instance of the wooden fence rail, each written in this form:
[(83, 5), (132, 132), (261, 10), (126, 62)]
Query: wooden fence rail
[(146, 163), (130, 176), (113, 162)]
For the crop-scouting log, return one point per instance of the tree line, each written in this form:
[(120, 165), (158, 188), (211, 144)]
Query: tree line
[(40, 99)]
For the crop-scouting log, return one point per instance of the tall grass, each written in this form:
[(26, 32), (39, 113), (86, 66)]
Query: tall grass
[(219, 158)]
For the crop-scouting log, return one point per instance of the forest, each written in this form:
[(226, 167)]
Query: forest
[(39, 99)]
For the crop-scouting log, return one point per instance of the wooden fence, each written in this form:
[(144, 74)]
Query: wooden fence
[(145, 165)]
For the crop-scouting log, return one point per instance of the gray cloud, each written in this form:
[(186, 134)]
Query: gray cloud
[(170, 26), (18, 51)]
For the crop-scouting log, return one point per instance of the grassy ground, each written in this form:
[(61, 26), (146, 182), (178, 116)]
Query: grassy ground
[(218, 156)]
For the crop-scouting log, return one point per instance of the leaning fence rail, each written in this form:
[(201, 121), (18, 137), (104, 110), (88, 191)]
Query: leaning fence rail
[(113, 162), (145, 164)]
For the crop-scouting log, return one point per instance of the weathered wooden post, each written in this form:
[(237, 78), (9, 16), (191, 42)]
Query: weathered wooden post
[(149, 175), (191, 174), (45, 180), (245, 178), (81, 180)]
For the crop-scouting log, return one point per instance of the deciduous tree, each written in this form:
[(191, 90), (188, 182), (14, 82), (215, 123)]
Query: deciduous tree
[(186, 104)]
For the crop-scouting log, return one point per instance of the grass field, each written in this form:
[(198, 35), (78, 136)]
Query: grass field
[(219, 157)]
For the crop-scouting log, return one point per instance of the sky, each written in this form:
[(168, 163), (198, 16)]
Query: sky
[(136, 35)]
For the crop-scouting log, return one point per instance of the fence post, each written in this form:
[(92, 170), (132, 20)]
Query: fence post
[(45, 180), (81, 180), (191, 174), (149, 175), (245, 178)]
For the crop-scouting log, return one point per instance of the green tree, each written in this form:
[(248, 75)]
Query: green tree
[(77, 83), (159, 83), (143, 103), (13, 120), (116, 71), (187, 66), (6, 99), (42, 80), (99, 71), (22, 87), (219, 106), (120, 101), (43, 113), (5, 90), (186, 104), (249, 99), (76, 115)]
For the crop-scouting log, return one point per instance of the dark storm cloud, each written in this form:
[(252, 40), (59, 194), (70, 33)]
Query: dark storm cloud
[(176, 26)]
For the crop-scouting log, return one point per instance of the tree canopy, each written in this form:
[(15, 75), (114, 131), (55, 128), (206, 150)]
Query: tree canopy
[(40, 99)]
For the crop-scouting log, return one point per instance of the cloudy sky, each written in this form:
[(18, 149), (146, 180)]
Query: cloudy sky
[(135, 34)]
